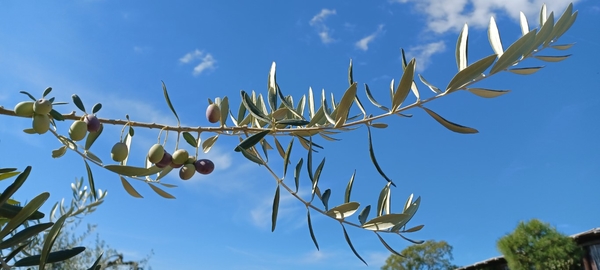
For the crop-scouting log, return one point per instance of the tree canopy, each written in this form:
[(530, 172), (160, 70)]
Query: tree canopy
[(427, 256)]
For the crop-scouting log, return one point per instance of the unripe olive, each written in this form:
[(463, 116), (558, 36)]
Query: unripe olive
[(173, 165), (204, 166), (187, 171), (213, 113), (156, 153), (190, 160), (42, 106), (78, 130), (119, 152), (24, 108), (180, 156), (41, 123), (165, 161), (93, 124)]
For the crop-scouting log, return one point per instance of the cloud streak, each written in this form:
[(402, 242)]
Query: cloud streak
[(207, 61), (318, 22), (450, 15), (423, 53), (363, 44)]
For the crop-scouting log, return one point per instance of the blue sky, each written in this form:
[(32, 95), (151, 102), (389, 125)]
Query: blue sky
[(537, 154)]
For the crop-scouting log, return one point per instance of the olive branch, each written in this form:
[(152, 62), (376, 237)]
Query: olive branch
[(275, 116)]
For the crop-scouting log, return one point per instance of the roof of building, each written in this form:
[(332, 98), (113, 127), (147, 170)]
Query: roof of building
[(581, 238)]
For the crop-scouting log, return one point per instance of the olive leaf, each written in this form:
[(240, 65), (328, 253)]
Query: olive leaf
[(343, 211), (275, 209), (372, 99), (161, 192), (525, 71), (487, 93), (254, 111), (349, 188), (251, 141), (131, 170), (374, 159), (96, 108), (471, 72), (47, 92), (449, 125), (494, 37), (56, 115), (12, 188), (286, 158), (59, 152), (431, 86), (50, 238), (56, 256), (523, 23), (77, 101), (168, 100), (208, 143), (129, 188), (404, 85), (513, 52), (350, 244), (462, 47), (546, 58), (90, 179), (190, 139), (388, 247), (224, 107), (310, 229), (92, 136), (364, 214), (297, 174), (325, 199), (384, 222)]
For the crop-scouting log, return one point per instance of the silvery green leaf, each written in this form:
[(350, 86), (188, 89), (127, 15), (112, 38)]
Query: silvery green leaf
[(310, 229), (562, 28), (372, 99), (544, 34), (286, 158), (388, 247), (523, 23), (249, 104), (494, 37), (301, 105), (543, 15), (161, 192), (190, 139), (325, 108), (343, 211), (288, 104), (384, 222), (450, 125), (364, 214), (168, 102), (514, 52), (470, 73), (251, 141), (351, 246), (272, 88), (345, 104), (297, 174), (374, 160), (562, 46), (404, 86), (275, 209), (414, 229), (350, 76), (129, 188), (325, 199), (311, 102), (487, 93), (208, 143), (525, 71), (562, 24), (552, 58), (349, 188), (59, 152), (462, 48), (224, 106)]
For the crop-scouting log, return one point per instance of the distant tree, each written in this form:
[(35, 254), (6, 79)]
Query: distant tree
[(537, 245), (430, 255)]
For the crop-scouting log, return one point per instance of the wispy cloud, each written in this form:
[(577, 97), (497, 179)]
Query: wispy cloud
[(141, 49), (450, 15), (423, 53), (207, 61), (318, 22), (261, 214), (363, 44)]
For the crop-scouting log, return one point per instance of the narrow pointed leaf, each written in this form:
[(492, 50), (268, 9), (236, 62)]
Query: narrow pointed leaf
[(562, 25), (523, 23), (90, 179), (384, 222), (254, 111), (487, 93), (414, 229), (50, 238), (286, 158), (190, 139), (388, 247), (325, 199), (343, 211), (404, 85), (56, 115), (25, 234), (129, 188), (364, 214), (349, 188), (287, 104), (311, 103), (161, 192), (78, 103), (412, 241), (250, 155), (470, 73), (562, 28), (97, 107), (381, 201), (96, 265), (431, 86), (53, 257), (224, 106), (514, 52), (317, 175), (545, 33), (494, 37), (12, 188), (297, 174), (92, 136), (241, 113), (310, 229), (132, 171), (168, 100), (562, 47), (280, 149), (372, 99), (275, 209), (462, 48), (251, 141), (351, 246), (208, 143), (345, 105), (374, 160), (552, 58), (525, 71), (25, 212), (293, 122), (449, 125), (543, 15)]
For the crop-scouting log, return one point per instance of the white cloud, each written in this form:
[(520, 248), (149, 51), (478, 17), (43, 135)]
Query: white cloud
[(423, 53), (363, 44), (318, 22), (207, 62), (450, 15)]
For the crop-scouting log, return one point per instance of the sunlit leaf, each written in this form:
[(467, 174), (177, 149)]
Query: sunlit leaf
[(470, 73), (523, 23), (379, 125), (92, 136), (90, 179), (349, 188), (544, 34), (431, 86), (487, 93), (382, 200), (161, 192), (414, 229), (462, 48), (208, 143), (364, 214), (514, 52), (494, 37), (350, 75), (132, 171), (129, 188), (552, 58), (525, 71), (450, 125), (384, 222), (564, 23), (345, 105), (254, 111), (287, 104), (59, 152), (562, 47), (404, 85), (343, 211)]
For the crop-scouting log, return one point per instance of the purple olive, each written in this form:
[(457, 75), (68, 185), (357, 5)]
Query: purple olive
[(204, 166), (93, 124), (213, 113), (165, 161)]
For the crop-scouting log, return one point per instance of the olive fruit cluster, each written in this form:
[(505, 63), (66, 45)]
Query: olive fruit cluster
[(80, 128), (179, 159), (39, 111)]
